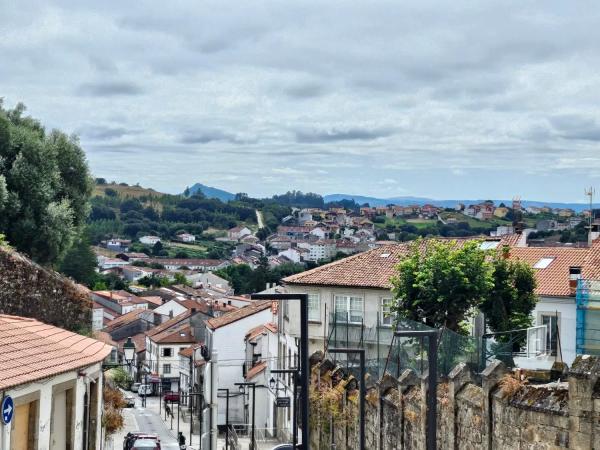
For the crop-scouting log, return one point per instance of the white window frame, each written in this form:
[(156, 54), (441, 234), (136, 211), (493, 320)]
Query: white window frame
[(348, 300), (386, 316), (314, 307), (167, 365)]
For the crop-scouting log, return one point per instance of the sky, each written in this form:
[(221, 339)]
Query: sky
[(441, 99)]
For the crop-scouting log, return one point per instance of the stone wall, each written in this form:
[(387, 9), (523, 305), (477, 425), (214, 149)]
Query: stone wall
[(491, 410), (27, 289)]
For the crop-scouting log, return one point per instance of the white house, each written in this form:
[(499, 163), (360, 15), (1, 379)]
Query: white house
[(170, 309), (323, 249), (357, 290), (186, 237), (236, 233), (111, 263), (149, 240), (56, 385), (120, 302), (97, 316), (295, 254), (319, 232), (226, 336), (190, 263)]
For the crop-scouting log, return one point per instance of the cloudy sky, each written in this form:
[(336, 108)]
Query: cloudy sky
[(442, 99)]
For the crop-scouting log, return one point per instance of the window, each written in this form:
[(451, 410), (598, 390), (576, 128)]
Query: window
[(314, 307), (543, 263), (166, 368), (387, 316), (574, 273), (348, 308), (551, 321), (489, 245), (166, 352)]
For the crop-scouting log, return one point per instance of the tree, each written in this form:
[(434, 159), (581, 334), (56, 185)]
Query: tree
[(157, 248), (511, 299), (440, 282), (45, 186), (80, 263)]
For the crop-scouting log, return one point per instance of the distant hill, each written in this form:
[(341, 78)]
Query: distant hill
[(125, 191), (211, 192), (374, 201)]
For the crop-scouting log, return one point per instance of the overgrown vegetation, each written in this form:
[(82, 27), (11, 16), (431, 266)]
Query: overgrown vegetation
[(44, 186), (112, 418)]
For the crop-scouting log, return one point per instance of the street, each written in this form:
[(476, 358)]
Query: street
[(147, 420)]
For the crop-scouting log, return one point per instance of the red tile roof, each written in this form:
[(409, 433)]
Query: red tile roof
[(254, 371), (138, 339), (238, 314), (261, 329), (31, 351), (373, 269), (125, 319), (180, 334)]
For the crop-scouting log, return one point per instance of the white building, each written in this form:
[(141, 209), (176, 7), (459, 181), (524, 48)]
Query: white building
[(236, 233), (111, 263), (226, 336), (321, 250), (186, 237), (149, 240), (56, 385)]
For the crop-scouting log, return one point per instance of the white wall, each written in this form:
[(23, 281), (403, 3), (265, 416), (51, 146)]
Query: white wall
[(170, 309), (228, 342), (567, 322)]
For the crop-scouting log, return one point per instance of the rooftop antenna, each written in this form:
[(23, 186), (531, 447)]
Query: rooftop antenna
[(590, 193)]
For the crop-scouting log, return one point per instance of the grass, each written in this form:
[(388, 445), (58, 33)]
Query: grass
[(126, 191)]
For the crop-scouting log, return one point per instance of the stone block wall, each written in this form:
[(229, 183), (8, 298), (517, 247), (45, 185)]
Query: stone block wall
[(27, 289), (476, 412)]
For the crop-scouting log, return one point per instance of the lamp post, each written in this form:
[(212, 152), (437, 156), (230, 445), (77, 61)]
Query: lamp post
[(243, 391), (362, 390), (304, 362), (226, 390), (272, 382), (432, 376)]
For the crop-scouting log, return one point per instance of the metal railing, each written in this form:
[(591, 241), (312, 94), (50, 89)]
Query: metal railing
[(505, 346)]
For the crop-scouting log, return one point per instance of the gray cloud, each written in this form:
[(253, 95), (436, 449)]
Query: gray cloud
[(575, 126), (109, 89), (208, 136), (411, 89), (103, 133), (334, 135)]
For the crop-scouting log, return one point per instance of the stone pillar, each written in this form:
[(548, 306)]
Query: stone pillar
[(458, 377), (407, 379), (44, 417), (582, 377), (490, 378), (424, 393)]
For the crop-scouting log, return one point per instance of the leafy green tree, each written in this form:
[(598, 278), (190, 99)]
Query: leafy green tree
[(181, 279), (80, 263), (157, 248), (510, 300), (440, 283), (45, 186)]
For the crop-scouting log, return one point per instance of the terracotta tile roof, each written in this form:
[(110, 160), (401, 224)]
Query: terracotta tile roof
[(238, 314), (181, 333), (103, 336), (186, 262), (368, 269), (553, 280), (188, 352), (254, 371), (120, 297), (261, 329), (372, 269), (171, 323), (154, 299), (132, 316), (31, 350)]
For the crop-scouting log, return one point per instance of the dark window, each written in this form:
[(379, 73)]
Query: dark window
[(166, 352)]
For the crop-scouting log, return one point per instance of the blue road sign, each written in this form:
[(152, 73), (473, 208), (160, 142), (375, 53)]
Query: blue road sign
[(8, 409)]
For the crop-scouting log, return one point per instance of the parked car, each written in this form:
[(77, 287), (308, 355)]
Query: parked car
[(283, 447), (129, 401), (171, 396), (145, 444), (145, 389), (133, 438), (135, 387)]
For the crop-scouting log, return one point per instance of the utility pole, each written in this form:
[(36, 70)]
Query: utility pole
[(590, 193)]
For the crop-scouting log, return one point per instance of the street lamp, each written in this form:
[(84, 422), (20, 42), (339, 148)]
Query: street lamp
[(226, 416), (129, 351), (242, 388), (362, 391), (304, 361)]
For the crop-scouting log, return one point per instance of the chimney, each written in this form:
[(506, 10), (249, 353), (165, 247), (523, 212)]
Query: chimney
[(506, 251)]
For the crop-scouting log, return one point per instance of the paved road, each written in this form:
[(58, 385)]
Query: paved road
[(147, 420), (259, 219)]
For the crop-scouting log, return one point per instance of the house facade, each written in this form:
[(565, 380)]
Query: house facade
[(58, 384)]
